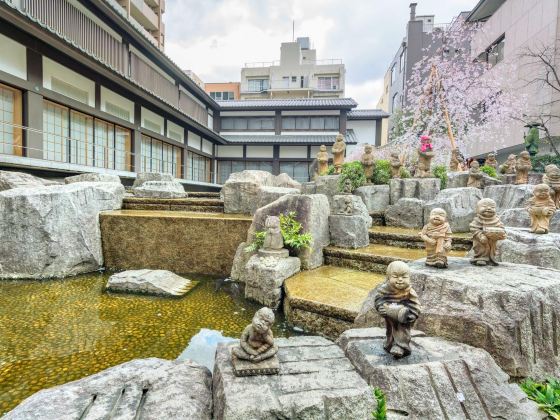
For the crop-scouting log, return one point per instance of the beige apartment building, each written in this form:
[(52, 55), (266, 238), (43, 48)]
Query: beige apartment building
[(148, 15), (226, 91), (298, 74)]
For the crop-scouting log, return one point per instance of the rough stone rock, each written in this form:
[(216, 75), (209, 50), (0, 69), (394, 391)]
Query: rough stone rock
[(457, 179), (142, 388), (421, 188), (92, 177), (152, 282), (525, 247), (309, 188), (160, 189), (242, 189), (267, 195), (512, 311), (316, 381), (439, 380), (312, 212), (328, 185), (460, 205), (407, 212), (265, 278), (358, 207), (534, 178), (10, 179), (375, 197), (509, 196), (54, 231), (519, 217), (151, 176), (348, 231), (240, 260)]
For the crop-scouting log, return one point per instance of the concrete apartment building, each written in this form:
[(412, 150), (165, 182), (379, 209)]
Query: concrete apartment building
[(227, 91), (298, 74), (147, 14)]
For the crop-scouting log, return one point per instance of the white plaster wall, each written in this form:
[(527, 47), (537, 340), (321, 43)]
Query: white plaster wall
[(259, 151), (13, 57), (118, 100), (207, 146), (194, 140), (175, 128), (229, 151), (293, 152), (147, 115), (363, 129), (53, 69)]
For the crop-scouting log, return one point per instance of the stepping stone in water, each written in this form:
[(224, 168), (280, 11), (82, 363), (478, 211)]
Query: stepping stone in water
[(153, 282)]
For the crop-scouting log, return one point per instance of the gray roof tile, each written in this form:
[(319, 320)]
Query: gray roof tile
[(288, 138), (366, 114), (290, 103)]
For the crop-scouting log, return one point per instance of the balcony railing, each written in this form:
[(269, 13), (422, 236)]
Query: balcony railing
[(262, 64)]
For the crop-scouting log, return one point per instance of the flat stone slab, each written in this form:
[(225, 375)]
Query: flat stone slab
[(512, 311), (139, 389), (509, 196), (524, 247), (92, 177), (315, 381), (160, 189), (439, 380), (152, 282), (246, 368), (348, 231)]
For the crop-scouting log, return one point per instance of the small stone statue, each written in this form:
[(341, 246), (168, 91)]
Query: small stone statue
[(257, 342), (541, 208), (425, 156), (552, 179), (368, 163), (348, 206), (437, 238), (338, 153), (348, 187), (491, 160), (522, 168), (322, 161), (487, 230), (398, 304), (396, 164), (456, 162), (508, 167), (273, 245), (475, 175)]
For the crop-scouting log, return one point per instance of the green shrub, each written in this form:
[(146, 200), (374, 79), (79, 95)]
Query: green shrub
[(404, 173), (382, 172), (354, 171), (539, 162), (291, 233), (331, 170), (489, 170), (440, 171), (381, 411), (545, 394)]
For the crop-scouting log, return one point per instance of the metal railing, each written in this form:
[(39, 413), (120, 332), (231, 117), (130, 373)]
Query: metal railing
[(322, 62)]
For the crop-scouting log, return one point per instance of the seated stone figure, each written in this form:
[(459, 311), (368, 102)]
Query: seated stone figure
[(491, 160), (522, 168), (487, 230), (437, 238), (257, 342), (273, 238), (475, 176), (541, 208), (398, 304), (552, 179), (508, 167)]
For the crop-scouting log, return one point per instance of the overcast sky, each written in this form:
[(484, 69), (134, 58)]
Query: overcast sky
[(214, 38)]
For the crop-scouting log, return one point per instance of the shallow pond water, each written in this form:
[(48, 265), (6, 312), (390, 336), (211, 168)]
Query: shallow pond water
[(52, 332)]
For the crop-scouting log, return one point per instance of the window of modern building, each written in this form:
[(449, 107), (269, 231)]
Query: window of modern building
[(157, 156), (227, 167), (198, 168), (297, 170), (222, 96), (10, 121), (111, 145), (328, 83), (175, 131), (393, 74), (257, 85), (310, 123), (394, 102), (401, 60), (494, 53), (244, 123)]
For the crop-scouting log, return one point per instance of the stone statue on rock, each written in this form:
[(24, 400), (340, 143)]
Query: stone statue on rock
[(368, 163), (522, 168), (457, 160), (552, 179), (425, 155), (491, 161), (437, 238), (348, 206), (398, 304), (396, 164), (273, 245), (487, 230), (475, 175), (347, 187), (508, 167), (541, 208), (338, 149), (322, 161)]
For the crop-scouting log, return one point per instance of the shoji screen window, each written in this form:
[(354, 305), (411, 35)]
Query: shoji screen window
[(10, 121), (55, 131)]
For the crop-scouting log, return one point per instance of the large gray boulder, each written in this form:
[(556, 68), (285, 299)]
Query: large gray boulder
[(160, 189), (358, 207), (421, 188), (267, 195), (151, 282), (327, 185), (512, 311), (348, 231), (142, 388), (10, 179), (240, 260), (439, 380), (312, 212), (457, 179), (524, 247), (460, 205), (316, 381), (151, 176), (375, 197), (92, 177), (54, 231), (519, 217), (406, 212), (509, 196)]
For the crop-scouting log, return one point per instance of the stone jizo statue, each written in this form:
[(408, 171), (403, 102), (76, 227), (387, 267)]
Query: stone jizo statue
[(322, 161), (491, 160), (475, 175), (437, 238), (348, 187), (487, 230), (273, 238), (398, 304), (348, 206), (425, 156), (338, 153), (396, 164), (552, 179), (368, 163), (257, 342), (522, 168), (508, 167), (456, 162), (541, 208)]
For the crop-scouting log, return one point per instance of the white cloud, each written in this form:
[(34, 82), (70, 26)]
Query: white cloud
[(367, 94)]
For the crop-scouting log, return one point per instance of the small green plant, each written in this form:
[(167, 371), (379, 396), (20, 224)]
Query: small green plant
[(540, 162), (291, 233), (380, 412), (332, 170), (354, 171), (545, 394), (404, 173), (440, 171), (489, 170), (382, 172)]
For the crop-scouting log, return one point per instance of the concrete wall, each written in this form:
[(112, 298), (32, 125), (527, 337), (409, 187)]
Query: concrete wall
[(364, 130)]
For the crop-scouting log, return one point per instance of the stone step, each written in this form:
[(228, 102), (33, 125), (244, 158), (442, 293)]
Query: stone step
[(204, 205), (203, 194), (408, 238), (375, 257)]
